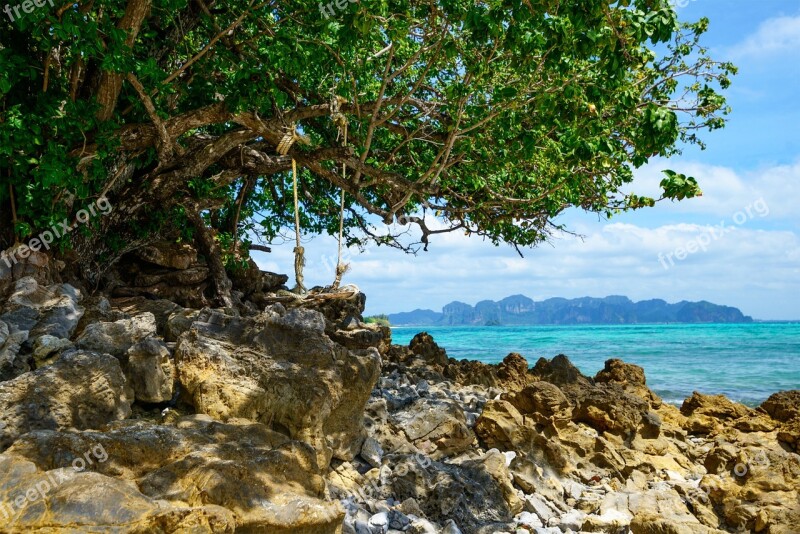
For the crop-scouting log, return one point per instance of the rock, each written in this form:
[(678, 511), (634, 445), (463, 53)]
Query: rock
[(544, 401), (609, 408), (117, 337), (424, 346), (11, 340), (512, 372), (79, 390), (150, 371), (281, 369), (371, 452), (466, 493), (37, 266), (437, 427), (451, 528), (706, 413), (43, 310), (168, 254), (620, 372), (783, 406), (59, 499), (46, 346), (198, 463), (558, 371), (502, 427), (178, 323)]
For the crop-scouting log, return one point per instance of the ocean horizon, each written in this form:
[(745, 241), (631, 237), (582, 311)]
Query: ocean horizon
[(746, 362)]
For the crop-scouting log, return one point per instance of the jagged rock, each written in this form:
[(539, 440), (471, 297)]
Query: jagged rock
[(199, 463), (66, 499), (79, 390), (559, 371), (36, 265), (161, 309), (279, 368), (11, 340), (544, 401), (117, 337), (46, 347), (466, 493), (501, 426), (150, 371), (705, 413), (623, 373), (513, 372), (178, 323), (168, 254), (32, 311), (783, 406), (438, 427), (424, 346), (371, 452), (255, 284), (609, 408)]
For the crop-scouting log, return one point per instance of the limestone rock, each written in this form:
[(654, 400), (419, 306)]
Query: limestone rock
[(168, 254), (705, 413), (79, 390), (117, 337), (423, 345), (261, 480), (65, 499), (438, 427), (150, 371), (281, 369), (544, 401)]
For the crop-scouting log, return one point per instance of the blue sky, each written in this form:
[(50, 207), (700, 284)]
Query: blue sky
[(750, 176)]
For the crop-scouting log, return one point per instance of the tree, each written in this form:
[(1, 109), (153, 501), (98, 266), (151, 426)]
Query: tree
[(489, 118)]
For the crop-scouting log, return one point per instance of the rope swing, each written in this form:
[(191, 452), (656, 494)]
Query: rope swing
[(299, 252), (300, 294)]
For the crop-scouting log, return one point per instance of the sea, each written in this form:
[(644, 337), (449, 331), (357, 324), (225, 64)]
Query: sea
[(746, 362)]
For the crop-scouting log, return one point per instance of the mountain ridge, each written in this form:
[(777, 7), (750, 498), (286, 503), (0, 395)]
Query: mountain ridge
[(614, 309)]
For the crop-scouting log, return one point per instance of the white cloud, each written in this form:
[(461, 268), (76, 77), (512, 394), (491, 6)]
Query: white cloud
[(725, 191), (774, 36)]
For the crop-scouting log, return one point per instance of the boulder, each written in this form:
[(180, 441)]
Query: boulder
[(43, 310), (71, 500), (558, 371), (424, 346), (281, 369), (436, 426), (501, 426), (783, 406), (168, 254), (706, 413), (261, 480), (79, 390), (150, 371), (467, 493), (543, 401), (117, 337), (609, 408)]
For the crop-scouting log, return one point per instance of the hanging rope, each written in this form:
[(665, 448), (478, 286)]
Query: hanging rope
[(341, 121), (299, 252)]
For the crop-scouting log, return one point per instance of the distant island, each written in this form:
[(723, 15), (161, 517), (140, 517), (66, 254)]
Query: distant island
[(521, 310)]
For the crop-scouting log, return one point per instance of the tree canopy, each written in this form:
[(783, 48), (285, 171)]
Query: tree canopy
[(489, 117)]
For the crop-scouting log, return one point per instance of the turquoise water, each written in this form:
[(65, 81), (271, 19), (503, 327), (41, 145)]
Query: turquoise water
[(746, 362)]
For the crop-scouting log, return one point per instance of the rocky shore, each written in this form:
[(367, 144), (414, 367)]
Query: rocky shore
[(145, 410)]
